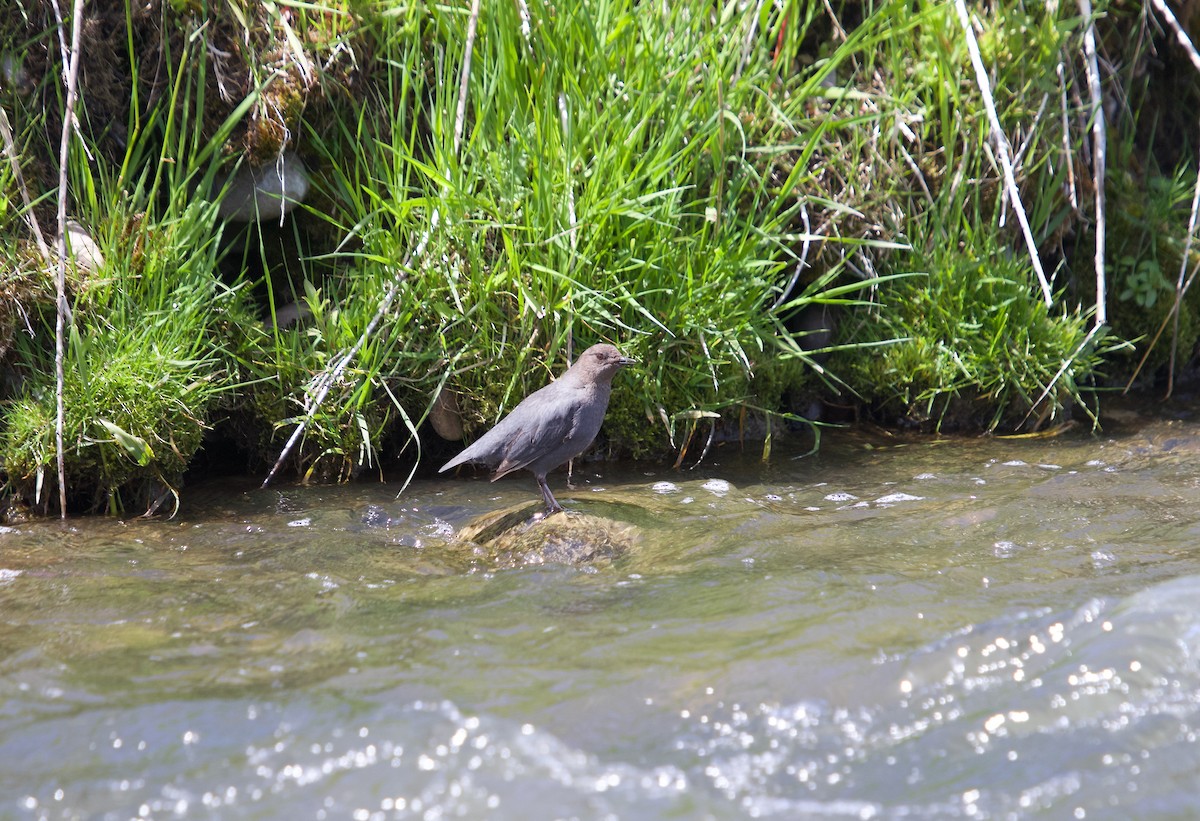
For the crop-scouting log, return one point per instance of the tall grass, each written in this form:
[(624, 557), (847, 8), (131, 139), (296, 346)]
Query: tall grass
[(623, 172), (688, 181), (144, 354), (974, 345)]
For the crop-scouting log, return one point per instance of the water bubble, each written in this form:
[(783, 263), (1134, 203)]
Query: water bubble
[(1004, 549), (840, 496), (717, 486), (440, 528), (895, 498)]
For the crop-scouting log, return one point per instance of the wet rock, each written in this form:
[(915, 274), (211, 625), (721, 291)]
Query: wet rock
[(16, 512), (445, 416), (522, 535), (375, 516), (266, 193)]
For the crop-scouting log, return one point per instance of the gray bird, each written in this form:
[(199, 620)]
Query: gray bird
[(552, 425)]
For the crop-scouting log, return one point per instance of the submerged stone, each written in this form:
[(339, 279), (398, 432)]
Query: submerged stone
[(522, 535), (266, 193)]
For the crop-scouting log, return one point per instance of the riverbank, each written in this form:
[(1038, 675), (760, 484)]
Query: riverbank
[(319, 236)]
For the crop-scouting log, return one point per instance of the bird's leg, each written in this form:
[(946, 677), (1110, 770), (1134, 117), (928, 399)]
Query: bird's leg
[(552, 505)]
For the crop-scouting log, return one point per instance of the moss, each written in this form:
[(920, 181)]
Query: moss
[(146, 432), (970, 344)]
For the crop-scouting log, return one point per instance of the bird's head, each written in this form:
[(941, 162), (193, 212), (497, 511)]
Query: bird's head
[(601, 362)]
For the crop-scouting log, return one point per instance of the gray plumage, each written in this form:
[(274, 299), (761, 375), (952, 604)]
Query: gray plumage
[(552, 425)]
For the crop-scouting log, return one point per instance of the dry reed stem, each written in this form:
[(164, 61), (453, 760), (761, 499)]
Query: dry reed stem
[(1066, 135), (10, 150), (60, 281), (566, 129), (747, 43), (1099, 152), (1002, 148), (712, 430), (1180, 35), (464, 79), (326, 380)]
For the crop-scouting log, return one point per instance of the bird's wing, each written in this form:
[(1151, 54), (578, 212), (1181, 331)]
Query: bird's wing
[(548, 423), (487, 449)]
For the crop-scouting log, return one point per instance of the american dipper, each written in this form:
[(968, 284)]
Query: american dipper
[(552, 425)]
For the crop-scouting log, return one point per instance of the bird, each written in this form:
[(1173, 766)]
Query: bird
[(552, 425)]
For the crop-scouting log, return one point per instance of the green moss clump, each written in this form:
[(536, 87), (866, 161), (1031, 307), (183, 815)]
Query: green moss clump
[(969, 343), (133, 421)]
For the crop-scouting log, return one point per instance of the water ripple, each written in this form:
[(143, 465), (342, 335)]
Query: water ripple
[(1074, 713)]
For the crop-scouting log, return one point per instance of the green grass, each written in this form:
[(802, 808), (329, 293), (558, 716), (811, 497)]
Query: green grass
[(686, 181), (623, 173), (144, 357), (973, 343), (967, 343)]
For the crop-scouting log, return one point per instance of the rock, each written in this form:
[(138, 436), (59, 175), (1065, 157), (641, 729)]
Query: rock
[(293, 313), (13, 76), (82, 249), (445, 416), (520, 536), (266, 193)]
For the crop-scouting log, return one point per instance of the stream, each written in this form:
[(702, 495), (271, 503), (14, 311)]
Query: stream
[(892, 628)]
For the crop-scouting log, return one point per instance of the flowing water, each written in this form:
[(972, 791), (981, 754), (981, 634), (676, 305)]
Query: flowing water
[(927, 629)]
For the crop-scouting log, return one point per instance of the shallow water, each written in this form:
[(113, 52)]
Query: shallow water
[(933, 629)]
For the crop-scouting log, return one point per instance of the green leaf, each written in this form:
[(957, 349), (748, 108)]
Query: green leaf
[(135, 445)]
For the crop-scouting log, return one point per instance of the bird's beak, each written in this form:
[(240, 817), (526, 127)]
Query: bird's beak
[(625, 360)]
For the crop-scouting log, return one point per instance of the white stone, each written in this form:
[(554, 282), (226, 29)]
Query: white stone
[(266, 193), (82, 249)]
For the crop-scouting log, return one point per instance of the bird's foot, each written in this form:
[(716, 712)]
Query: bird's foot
[(552, 505)]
